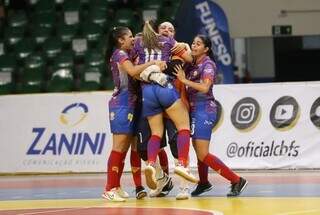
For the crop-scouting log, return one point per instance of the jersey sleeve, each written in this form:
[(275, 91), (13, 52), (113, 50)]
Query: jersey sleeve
[(208, 72), (122, 56)]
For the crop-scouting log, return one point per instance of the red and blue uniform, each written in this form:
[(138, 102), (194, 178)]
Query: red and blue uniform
[(155, 99), (124, 98), (203, 109)]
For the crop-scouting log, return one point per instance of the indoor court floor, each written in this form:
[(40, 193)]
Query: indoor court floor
[(268, 192)]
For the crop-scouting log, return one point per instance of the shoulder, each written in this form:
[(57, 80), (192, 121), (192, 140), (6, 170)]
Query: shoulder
[(208, 64), (119, 55)]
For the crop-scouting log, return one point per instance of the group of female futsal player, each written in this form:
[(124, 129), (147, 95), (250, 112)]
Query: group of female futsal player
[(154, 76)]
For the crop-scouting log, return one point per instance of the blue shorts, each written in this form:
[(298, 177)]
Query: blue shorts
[(122, 120), (155, 99), (202, 123)]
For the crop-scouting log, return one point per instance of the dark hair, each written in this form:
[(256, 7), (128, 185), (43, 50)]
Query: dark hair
[(207, 43), (114, 35)]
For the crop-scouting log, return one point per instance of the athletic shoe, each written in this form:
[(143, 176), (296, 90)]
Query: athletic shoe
[(112, 196), (185, 173), (122, 193), (237, 188), (201, 188), (140, 192), (183, 193), (161, 184), (166, 189), (150, 174)]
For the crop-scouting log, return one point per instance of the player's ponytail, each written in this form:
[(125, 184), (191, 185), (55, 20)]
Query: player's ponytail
[(149, 37)]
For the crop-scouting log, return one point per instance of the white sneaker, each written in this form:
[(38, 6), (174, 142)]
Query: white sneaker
[(122, 193), (161, 183), (185, 173), (183, 193), (112, 196), (150, 174)]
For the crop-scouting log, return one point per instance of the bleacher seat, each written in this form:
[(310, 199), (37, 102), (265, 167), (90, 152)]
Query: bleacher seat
[(2, 47), (32, 75), (64, 60), (45, 6), (124, 17), (52, 47), (79, 47), (72, 10), (98, 16), (66, 33), (40, 34), (18, 19), (60, 80), (13, 35), (46, 19), (61, 75), (7, 70), (24, 48), (93, 73), (168, 12), (92, 32), (101, 4), (108, 83)]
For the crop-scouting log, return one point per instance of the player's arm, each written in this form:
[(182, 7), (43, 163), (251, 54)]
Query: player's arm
[(135, 70), (202, 87)]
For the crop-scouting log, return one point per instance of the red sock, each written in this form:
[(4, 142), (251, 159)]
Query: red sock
[(153, 148), (163, 158), (203, 172), (183, 144), (216, 164), (123, 157), (135, 162), (114, 163)]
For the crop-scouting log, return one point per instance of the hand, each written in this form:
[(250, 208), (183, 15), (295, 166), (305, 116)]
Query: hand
[(161, 64), (179, 73)]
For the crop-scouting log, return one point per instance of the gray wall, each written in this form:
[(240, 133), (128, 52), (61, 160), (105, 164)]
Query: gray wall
[(255, 18), (260, 57)]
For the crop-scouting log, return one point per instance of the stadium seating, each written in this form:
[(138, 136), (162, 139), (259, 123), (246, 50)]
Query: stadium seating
[(45, 19), (93, 73), (32, 76), (92, 32), (40, 34), (52, 47), (13, 35), (98, 15), (47, 6), (24, 48), (66, 33), (59, 45), (18, 19), (7, 71)]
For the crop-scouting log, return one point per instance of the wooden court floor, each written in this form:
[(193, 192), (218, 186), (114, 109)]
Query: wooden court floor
[(268, 192)]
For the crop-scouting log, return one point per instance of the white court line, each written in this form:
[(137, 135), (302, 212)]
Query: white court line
[(300, 212), (50, 211)]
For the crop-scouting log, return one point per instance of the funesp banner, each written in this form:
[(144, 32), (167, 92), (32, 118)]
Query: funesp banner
[(208, 18), (259, 126)]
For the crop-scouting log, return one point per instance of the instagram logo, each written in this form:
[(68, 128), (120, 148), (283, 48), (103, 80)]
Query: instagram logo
[(245, 113)]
